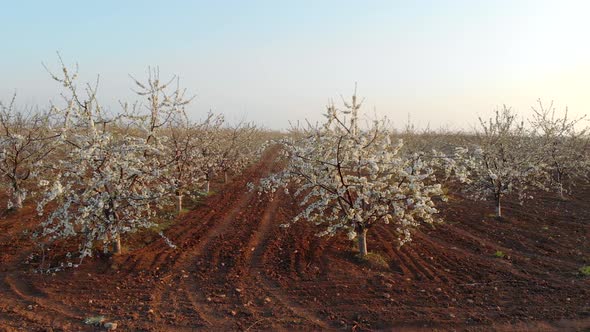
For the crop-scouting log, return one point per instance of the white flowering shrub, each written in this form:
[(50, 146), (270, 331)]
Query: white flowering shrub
[(163, 122), (563, 144), (26, 141), (105, 189), (208, 149), (504, 160), (109, 183), (183, 173), (239, 146), (164, 105), (188, 166), (350, 178), (200, 151)]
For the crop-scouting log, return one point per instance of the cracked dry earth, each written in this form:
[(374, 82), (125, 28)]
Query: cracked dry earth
[(234, 268)]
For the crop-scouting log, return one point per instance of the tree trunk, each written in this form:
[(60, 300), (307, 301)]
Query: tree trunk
[(561, 195), (117, 245), (362, 237), (207, 187), (18, 200), (225, 177), (18, 197), (179, 203), (498, 207)]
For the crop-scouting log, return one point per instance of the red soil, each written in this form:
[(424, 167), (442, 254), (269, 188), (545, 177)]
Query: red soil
[(236, 269)]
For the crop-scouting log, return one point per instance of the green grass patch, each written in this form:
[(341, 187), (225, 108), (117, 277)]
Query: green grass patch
[(585, 270), (499, 254), (373, 259), (94, 320), (162, 225)]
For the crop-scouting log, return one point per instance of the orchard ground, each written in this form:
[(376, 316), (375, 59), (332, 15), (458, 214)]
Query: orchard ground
[(235, 268)]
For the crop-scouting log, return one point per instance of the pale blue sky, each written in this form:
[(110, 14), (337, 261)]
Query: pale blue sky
[(443, 62)]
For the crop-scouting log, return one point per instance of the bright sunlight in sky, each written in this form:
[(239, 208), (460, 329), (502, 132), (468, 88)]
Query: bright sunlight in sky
[(442, 62)]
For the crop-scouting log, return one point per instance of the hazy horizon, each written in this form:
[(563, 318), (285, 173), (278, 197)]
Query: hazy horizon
[(444, 63)]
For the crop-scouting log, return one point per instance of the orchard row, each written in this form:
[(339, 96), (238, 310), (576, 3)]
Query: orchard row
[(350, 176), (97, 176)]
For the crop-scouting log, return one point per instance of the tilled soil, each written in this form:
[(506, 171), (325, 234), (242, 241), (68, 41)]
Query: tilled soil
[(235, 268)]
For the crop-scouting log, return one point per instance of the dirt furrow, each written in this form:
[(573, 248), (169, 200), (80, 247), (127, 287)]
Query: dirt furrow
[(255, 262)]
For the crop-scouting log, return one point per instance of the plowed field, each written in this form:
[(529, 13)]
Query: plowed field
[(234, 268)]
